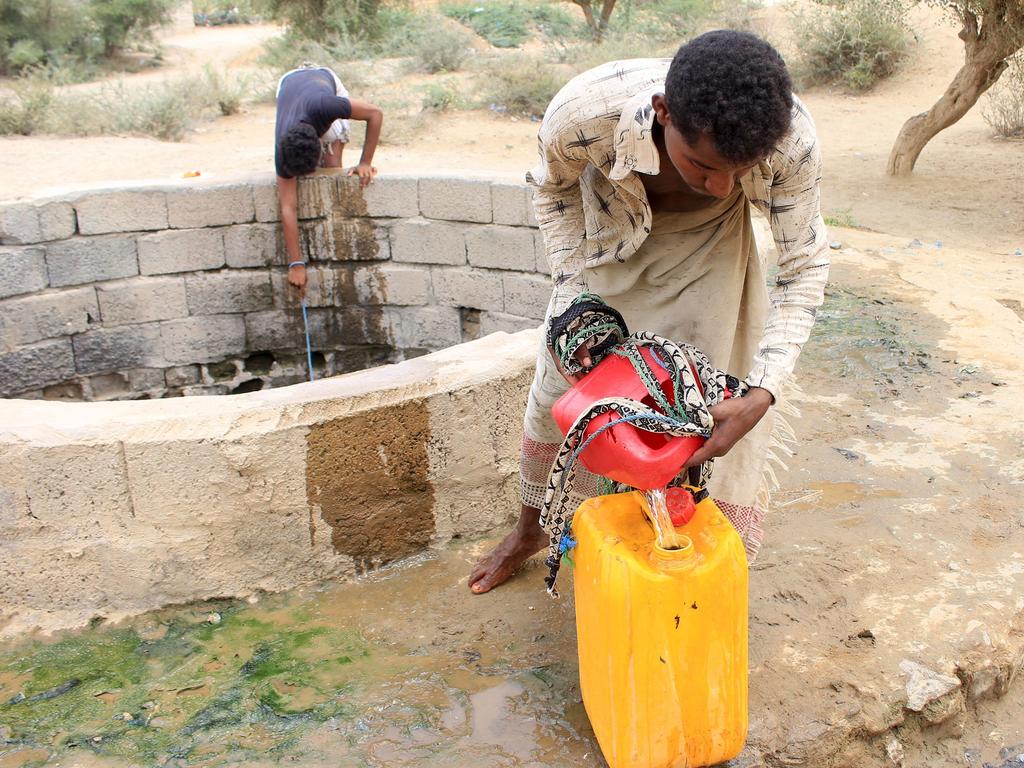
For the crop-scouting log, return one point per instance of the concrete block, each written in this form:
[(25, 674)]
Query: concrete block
[(36, 366), (423, 327), (328, 328), (46, 316), (145, 379), (114, 349), (466, 287), (510, 203), (327, 285), (531, 211), (492, 322), (360, 240), (264, 198), (26, 223), (528, 295), (276, 329), (428, 242), (500, 247), (190, 250), (210, 206), (343, 240), (22, 270), (181, 375), (456, 199), (252, 245), (91, 259), (121, 211), (226, 292), (393, 284), (542, 253), (330, 193), (202, 339), (142, 300), (392, 196), (109, 386)]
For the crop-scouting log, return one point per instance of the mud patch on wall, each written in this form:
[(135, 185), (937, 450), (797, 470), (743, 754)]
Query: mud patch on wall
[(368, 474)]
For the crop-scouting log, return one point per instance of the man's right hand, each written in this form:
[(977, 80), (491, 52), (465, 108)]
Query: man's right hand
[(582, 355), (297, 278)]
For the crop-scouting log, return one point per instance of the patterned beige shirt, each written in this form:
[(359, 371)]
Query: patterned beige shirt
[(592, 207)]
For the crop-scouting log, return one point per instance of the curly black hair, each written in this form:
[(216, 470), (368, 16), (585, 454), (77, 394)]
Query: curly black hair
[(734, 87), (300, 150)]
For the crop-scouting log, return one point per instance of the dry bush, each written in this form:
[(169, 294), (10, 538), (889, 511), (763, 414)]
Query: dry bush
[(857, 43), (1004, 111)]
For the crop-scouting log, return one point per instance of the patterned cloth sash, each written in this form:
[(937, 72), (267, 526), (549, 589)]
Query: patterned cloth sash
[(697, 387)]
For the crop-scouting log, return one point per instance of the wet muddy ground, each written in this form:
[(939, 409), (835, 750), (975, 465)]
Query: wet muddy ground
[(888, 541)]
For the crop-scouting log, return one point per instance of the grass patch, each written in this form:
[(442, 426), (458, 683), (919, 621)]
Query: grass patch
[(857, 43), (441, 97), (520, 83), (509, 24), (842, 218), (165, 111)]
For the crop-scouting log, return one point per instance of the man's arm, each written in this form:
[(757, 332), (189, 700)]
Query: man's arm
[(799, 289), (802, 241), (558, 207), (374, 118), (287, 196)]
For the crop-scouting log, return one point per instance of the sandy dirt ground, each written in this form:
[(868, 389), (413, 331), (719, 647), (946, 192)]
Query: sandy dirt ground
[(897, 533), (965, 192)]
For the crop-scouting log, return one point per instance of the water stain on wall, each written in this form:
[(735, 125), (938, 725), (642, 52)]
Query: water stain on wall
[(368, 474)]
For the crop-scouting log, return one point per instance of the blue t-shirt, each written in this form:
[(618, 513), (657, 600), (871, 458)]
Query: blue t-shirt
[(307, 96)]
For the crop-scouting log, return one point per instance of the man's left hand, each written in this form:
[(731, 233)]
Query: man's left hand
[(365, 172), (733, 419)]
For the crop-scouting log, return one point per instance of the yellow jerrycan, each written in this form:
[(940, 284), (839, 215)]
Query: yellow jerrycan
[(662, 635)]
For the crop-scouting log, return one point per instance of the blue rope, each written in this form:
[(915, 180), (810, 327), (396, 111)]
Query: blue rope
[(309, 348)]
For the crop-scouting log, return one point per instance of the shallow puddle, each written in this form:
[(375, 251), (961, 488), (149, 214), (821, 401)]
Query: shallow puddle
[(403, 669)]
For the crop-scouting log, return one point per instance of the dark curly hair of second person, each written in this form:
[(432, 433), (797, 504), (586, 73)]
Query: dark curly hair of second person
[(734, 87), (300, 150)]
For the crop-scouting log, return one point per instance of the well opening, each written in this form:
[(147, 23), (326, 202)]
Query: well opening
[(168, 291)]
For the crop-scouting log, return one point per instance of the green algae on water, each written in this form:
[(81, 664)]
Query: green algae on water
[(150, 695)]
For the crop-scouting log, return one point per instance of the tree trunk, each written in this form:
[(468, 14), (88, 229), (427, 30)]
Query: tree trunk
[(985, 60), (588, 14), (606, 14)]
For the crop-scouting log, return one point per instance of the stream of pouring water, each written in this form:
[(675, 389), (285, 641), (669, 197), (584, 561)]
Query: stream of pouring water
[(657, 511)]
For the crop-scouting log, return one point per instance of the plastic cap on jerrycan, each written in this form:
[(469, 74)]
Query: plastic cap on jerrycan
[(624, 453)]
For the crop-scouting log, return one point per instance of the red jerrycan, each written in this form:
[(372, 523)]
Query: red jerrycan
[(624, 453)]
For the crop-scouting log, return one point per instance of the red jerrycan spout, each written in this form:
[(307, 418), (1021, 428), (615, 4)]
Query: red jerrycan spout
[(624, 453)]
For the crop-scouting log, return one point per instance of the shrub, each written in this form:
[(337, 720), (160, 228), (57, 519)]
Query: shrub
[(1004, 111), (520, 83), (72, 32), (443, 50), (24, 111), (669, 21), (508, 23), (117, 21), (323, 20), (220, 90), (857, 44), (441, 97)]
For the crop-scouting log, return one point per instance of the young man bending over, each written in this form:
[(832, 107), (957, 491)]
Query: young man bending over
[(647, 176), (313, 110)]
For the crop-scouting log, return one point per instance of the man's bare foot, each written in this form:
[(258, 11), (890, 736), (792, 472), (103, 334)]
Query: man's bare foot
[(501, 563)]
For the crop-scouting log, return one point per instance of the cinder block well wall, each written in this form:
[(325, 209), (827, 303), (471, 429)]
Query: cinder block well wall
[(113, 508), (182, 289)]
